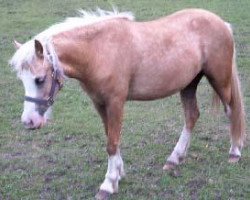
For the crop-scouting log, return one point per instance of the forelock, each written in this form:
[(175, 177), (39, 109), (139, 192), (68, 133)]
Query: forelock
[(22, 56)]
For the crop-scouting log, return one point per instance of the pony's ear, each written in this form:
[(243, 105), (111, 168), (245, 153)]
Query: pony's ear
[(38, 49), (17, 44)]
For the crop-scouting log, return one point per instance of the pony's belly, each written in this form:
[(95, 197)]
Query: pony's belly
[(152, 91), (147, 96), (150, 86)]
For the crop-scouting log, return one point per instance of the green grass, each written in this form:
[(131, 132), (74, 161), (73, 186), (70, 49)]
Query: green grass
[(67, 159)]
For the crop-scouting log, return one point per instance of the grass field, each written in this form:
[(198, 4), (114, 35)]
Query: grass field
[(67, 159)]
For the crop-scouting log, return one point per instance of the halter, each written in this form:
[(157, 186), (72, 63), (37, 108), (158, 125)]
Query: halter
[(50, 100), (44, 104)]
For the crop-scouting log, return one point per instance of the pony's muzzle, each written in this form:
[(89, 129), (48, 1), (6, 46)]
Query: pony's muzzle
[(34, 122)]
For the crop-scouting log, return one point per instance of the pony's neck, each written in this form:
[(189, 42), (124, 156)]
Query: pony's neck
[(72, 48)]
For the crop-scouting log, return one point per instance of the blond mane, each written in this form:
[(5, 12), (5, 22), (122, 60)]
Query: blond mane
[(26, 52)]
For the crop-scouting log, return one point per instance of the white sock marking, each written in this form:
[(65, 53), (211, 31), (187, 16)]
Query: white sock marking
[(181, 147), (234, 150), (114, 173)]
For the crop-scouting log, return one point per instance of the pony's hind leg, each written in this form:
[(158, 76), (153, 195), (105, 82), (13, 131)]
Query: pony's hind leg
[(191, 111), (223, 76), (231, 98)]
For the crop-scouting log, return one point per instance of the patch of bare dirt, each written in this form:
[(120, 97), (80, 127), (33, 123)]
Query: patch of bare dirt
[(194, 186)]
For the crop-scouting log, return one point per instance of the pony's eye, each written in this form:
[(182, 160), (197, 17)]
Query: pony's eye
[(39, 80)]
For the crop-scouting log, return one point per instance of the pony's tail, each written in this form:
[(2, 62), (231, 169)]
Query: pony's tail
[(238, 126), (236, 113)]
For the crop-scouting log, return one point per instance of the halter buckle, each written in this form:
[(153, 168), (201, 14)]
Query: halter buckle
[(50, 101)]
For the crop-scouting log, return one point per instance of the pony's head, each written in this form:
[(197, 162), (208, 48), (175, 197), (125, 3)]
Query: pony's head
[(37, 67)]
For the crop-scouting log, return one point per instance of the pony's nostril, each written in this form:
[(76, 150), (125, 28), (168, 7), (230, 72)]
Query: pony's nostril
[(31, 123), (28, 123)]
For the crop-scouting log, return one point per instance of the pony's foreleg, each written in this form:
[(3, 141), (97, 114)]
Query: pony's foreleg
[(112, 118), (191, 111)]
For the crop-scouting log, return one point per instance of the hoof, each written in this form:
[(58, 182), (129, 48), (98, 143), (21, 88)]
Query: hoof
[(169, 166), (233, 158), (175, 173), (102, 195)]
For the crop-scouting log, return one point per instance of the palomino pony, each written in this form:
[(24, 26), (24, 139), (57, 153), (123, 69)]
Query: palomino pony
[(116, 59)]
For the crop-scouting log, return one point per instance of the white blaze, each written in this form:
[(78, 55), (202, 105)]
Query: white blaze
[(30, 90), (29, 109)]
